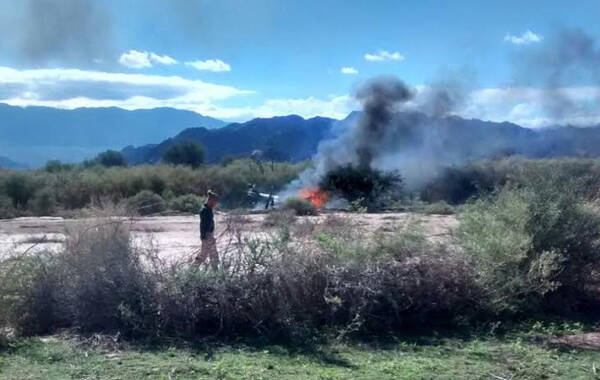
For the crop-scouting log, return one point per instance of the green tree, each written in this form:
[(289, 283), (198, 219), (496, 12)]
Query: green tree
[(20, 188), (111, 158), (184, 153)]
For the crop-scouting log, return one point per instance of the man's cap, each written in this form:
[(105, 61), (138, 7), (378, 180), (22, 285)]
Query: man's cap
[(211, 193)]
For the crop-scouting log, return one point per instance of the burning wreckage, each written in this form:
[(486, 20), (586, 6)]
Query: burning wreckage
[(349, 168)]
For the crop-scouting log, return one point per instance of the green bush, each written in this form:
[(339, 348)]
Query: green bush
[(184, 153), (189, 203), (28, 286), (535, 247), (300, 206), (44, 202), (7, 210), (146, 203), (20, 188), (78, 187), (110, 158), (367, 188)]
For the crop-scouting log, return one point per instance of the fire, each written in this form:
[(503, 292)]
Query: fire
[(317, 197)]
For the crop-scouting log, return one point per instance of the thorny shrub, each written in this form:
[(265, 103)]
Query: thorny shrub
[(535, 247)]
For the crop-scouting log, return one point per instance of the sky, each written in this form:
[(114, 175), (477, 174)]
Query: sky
[(240, 59)]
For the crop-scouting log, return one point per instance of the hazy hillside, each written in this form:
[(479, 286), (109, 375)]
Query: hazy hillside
[(34, 135), (7, 163), (454, 139), (285, 138)]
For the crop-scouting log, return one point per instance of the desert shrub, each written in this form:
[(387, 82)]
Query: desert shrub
[(439, 208), (20, 188), (300, 206), (104, 286), (7, 210), (370, 188), (184, 153), (277, 218), (55, 166), (532, 246), (97, 283), (146, 203), (189, 203), (28, 293), (110, 158), (44, 202)]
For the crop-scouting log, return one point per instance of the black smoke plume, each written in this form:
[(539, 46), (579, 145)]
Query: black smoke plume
[(570, 57), (46, 31)]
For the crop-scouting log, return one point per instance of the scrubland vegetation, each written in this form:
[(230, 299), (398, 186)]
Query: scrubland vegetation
[(527, 248), (61, 189)]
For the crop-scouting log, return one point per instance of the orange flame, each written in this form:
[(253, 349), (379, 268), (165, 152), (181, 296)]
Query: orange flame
[(316, 196)]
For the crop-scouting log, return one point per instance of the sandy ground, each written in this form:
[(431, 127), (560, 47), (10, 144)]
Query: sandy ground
[(178, 236)]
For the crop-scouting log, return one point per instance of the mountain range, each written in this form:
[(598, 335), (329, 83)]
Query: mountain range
[(448, 139), (34, 135), (7, 163), (31, 136), (283, 138)]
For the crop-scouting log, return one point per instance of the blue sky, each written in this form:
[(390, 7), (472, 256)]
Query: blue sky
[(236, 59)]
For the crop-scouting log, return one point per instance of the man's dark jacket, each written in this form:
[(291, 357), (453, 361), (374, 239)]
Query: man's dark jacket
[(207, 221)]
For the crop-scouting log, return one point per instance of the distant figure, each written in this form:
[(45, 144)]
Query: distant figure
[(207, 231), (270, 202)]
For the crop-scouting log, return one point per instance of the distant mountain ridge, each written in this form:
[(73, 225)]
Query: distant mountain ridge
[(7, 163), (37, 134), (283, 138), (292, 138)]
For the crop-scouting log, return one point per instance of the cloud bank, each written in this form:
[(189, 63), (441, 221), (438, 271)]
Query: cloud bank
[(526, 38), (348, 70), (384, 55), (215, 65), (73, 88), (142, 59)]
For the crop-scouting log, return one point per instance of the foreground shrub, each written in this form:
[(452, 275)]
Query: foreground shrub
[(97, 283), (146, 203), (300, 206), (535, 247), (28, 285), (104, 286), (275, 287)]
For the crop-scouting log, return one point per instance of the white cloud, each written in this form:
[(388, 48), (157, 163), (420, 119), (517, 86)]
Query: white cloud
[(215, 65), (141, 59), (384, 55), (348, 70), (73, 88), (533, 107), (162, 59), (526, 38)]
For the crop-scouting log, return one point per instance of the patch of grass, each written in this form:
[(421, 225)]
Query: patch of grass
[(516, 357)]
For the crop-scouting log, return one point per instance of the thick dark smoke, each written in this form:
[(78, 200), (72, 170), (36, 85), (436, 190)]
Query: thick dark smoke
[(396, 131), (380, 99), (43, 31), (569, 57)]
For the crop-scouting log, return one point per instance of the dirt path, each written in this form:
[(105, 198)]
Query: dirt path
[(178, 236)]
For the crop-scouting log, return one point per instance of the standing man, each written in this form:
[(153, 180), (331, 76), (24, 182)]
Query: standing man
[(207, 230)]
